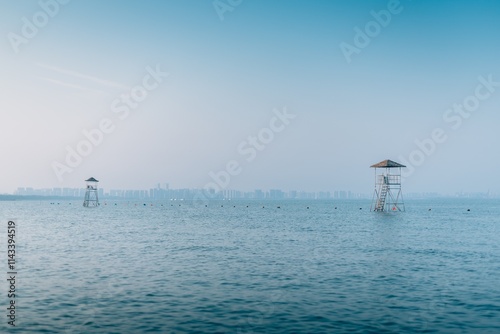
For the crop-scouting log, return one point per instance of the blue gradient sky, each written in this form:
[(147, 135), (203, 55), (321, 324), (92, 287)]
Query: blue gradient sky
[(225, 79)]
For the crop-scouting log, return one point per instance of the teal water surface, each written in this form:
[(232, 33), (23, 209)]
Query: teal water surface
[(251, 267)]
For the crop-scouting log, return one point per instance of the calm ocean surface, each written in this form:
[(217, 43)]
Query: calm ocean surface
[(130, 268)]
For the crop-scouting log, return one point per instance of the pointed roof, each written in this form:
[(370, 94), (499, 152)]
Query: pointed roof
[(91, 180), (387, 164)]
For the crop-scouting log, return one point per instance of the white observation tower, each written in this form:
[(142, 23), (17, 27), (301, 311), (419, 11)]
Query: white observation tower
[(91, 198), (387, 195)]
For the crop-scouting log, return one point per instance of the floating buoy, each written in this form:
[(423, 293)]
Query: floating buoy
[(468, 209), (279, 207), (307, 208)]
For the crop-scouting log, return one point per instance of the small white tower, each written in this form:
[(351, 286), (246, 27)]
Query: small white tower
[(91, 198), (387, 195)]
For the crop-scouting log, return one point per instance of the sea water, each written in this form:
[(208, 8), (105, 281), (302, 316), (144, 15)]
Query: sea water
[(253, 267)]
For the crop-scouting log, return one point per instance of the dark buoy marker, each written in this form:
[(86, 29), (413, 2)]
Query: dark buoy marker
[(468, 209)]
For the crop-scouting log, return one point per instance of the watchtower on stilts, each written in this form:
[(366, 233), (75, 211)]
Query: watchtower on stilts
[(387, 195), (91, 198)]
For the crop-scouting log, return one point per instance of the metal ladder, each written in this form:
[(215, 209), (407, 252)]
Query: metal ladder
[(383, 194)]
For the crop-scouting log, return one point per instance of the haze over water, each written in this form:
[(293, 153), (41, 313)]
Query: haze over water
[(229, 268), (252, 96)]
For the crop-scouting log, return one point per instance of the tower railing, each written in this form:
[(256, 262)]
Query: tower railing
[(390, 179)]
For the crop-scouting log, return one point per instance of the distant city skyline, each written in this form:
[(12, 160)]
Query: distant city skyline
[(166, 193), (187, 193)]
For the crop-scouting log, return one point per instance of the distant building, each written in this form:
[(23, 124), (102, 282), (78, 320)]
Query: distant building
[(276, 194)]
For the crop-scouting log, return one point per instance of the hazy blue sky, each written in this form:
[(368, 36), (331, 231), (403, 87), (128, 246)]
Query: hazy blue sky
[(225, 78)]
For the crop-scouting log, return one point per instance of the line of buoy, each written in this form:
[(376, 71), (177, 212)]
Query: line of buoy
[(234, 206)]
